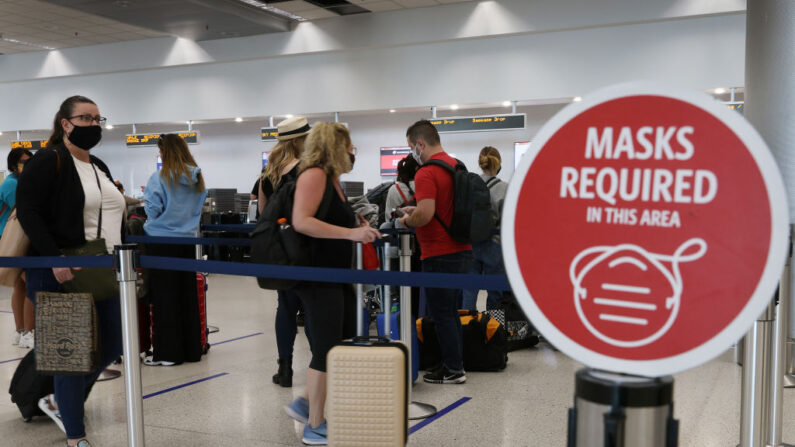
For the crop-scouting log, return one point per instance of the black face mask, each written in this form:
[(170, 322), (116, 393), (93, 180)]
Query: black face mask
[(85, 137), (353, 159)]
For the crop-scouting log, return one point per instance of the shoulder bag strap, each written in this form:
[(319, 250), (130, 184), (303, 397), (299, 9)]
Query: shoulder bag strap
[(400, 191), (492, 181), (99, 224)]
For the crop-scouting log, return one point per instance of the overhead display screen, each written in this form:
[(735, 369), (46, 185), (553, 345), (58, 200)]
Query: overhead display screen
[(519, 149), (150, 139), (269, 133), (479, 123), (31, 145), (390, 156)]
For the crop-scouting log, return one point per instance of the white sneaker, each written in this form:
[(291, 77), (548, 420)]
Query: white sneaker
[(27, 340), (15, 337)]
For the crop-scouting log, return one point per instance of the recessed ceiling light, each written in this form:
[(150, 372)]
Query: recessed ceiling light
[(22, 42), (577, 99), (1, 133), (238, 120), (720, 91), (288, 115), (392, 110), (506, 103), (109, 126), (454, 107)]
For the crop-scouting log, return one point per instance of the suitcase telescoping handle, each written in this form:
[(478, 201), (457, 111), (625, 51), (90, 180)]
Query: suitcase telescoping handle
[(386, 300)]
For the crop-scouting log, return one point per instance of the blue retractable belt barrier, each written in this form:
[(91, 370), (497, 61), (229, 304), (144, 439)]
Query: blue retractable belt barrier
[(41, 262), (232, 228), (232, 242), (336, 275), (318, 274)]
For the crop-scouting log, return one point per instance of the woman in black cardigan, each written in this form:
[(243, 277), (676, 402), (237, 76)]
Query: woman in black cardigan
[(59, 199)]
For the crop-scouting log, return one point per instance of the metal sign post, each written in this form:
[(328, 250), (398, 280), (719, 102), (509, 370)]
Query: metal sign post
[(125, 273), (769, 94), (417, 410)]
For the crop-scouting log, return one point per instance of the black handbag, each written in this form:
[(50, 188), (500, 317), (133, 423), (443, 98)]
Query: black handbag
[(100, 282)]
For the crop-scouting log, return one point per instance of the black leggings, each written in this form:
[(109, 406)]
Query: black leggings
[(330, 317)]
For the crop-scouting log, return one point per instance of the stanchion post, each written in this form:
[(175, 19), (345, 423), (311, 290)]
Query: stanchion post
[(126, 274), (754, 404), (359, 294), (778, 362), (417, 410), (386, 300)]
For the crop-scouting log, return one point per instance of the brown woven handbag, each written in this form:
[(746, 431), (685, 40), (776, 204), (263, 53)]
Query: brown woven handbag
[(14, 242), (67, 336)]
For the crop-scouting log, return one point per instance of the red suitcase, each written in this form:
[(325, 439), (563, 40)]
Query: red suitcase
[(146, 318), (201, 286)]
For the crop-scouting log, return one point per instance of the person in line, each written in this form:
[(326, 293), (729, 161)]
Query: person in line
[(488, 254), (129, 202), (20, 305), (402, 192), (173, 201), (59, 200), (330, 307), (440, 253), (282, 167)]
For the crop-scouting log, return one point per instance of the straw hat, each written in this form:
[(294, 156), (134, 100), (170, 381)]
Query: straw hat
[(292, 128)]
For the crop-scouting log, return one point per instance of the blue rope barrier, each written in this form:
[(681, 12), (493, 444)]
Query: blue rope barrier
[(335, 275), (232, 228), (234, 242), (40, 262)]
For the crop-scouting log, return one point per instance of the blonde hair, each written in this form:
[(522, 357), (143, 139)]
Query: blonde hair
[(490, 159), (176, 159), (281, 155), (327, 148)]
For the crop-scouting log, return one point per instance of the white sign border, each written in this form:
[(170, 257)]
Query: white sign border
[(777, 252)]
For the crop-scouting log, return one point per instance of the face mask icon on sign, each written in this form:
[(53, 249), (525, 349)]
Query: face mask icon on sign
[(625, 296)]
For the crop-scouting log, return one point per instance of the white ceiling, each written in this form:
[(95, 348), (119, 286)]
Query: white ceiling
[(35, 25)]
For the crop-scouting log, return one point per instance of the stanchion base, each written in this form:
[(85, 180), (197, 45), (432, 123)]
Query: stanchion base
[(419, 410), (212, 329), (789, 381), (109, 374)]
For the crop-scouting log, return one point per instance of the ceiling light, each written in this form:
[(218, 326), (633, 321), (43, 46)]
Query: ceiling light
[(1, 134), (577, 99), (238, 120), (109, 126), (22, 42), (288, 115), (454, 107), (265, 7), (392, 110), (720, 91), (506, 103)]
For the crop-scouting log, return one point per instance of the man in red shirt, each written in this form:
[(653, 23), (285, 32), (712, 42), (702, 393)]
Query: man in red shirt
[(434, 188)]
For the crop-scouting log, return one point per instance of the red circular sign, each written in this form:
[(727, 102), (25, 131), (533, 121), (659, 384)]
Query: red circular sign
[(645, 230)]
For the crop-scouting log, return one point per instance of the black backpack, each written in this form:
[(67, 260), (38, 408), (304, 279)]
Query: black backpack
[(280, 244), (28, 386), (473, 219)]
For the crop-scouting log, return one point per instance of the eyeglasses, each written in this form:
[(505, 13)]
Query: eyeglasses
[(88, 119)]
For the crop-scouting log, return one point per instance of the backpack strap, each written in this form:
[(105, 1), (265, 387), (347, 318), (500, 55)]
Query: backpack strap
[(452, 171), (400, 191), (492, 181)]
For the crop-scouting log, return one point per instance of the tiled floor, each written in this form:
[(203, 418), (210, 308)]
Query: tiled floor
[(523, 406)]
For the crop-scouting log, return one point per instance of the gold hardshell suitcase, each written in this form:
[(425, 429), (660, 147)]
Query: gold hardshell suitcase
[(367, 399)]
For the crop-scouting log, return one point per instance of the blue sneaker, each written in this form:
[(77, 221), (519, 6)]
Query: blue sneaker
[(317, 435), (298, 410)]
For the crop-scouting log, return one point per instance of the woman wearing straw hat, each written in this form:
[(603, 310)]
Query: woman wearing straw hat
[(282, 168)]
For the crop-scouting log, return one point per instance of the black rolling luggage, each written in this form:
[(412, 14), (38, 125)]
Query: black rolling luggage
[(28, 386)]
